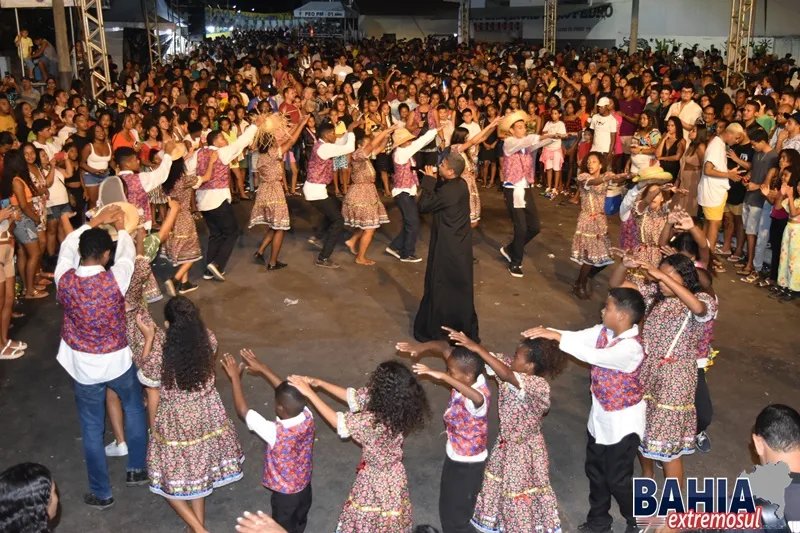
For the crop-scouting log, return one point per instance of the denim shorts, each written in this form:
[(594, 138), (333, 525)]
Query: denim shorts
[(93, 180), (751, 217), (54, 212), (25, 230)]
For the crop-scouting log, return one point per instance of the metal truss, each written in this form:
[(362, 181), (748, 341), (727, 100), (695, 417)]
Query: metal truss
[(98, 76), (550, 19), (739, 38), (463, 22), (150, 10)]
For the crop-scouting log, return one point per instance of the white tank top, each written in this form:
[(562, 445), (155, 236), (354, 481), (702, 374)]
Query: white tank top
[(98, 162)]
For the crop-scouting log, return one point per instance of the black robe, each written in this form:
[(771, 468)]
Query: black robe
[(448, 299)]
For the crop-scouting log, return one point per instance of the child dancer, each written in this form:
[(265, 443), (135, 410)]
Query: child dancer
[(461, 144), (467, 423), (382, 414), (552, 156), (290, 439), (270, 206), (516, 496), (193, 445), (616, 421), (651, 216), (591, 243), (362, 207)]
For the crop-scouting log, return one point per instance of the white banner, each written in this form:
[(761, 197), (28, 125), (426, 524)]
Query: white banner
[(22, 4)]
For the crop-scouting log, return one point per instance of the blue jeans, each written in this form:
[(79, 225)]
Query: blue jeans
[(91, 402), (762, 237)]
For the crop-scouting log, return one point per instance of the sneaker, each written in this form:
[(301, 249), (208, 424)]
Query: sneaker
[(313, 241), (207, 275), (326, 263), (779, 293), (505, 254), (170, 285), (391, 251), (277, 266), (116, 450), (411, 259), (515, 270), (587, 528), (93, 501), (136, 477), (187, 287), (216, 272), (789, 297), (702, 442)]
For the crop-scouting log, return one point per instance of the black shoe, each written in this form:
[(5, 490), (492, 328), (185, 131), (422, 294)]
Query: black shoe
[(215, 271), (411, 259), (170, 285), (326, 263), (779, 293), (515, 270), (93, 501), (587, 528), (259, 258), (277, 266), (136, 477), (187, 287), (702, 442), (316, 243), (789, 297), (208, 275)]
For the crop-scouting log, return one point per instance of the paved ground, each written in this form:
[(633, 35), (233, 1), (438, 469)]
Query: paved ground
[(348, 320)]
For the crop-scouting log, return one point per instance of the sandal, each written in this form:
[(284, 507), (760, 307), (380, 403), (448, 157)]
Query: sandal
[(744, 272), (16, 314), (719, 269), (718, 251), (735, 258), (16, 353), (44, 282), (751, 278), (766, 283), (48, 275), (37, 294)]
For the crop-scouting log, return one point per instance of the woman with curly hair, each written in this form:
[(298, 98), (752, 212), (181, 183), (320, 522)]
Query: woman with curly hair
[(382, 414), (677, 311), (28, 499), (193, 445), (516, 496)]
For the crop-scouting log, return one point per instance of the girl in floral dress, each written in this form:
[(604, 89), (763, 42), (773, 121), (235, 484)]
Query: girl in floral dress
[(382, 414), (516, 496), (789, 266), (591, 243), (270, 206), (651, 216), (677, 311), (462, 145), (193, 446), (362, 208)]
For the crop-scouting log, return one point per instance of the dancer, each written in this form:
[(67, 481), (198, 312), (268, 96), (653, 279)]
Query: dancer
[(449, 298), (404, 192), (362, 208), (193, 446), (591, 243), (516, 495), (651, 215), (462, 143), (290, 440), (270, 206), (214, 198), (617, 418), (467, 423), (517, 170), (382, 414), (315, 189)]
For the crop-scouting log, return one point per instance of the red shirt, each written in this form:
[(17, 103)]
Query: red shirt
[(291, 111)]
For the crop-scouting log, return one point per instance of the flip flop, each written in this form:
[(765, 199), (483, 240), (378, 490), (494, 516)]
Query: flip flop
[(16, 353), (37, 294), (719, 269), (16, 314), (48, 275), (735, 258), (744, 272), (751, 278)]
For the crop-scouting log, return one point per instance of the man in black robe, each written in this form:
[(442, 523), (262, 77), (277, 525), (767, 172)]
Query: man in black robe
[(448, 299)]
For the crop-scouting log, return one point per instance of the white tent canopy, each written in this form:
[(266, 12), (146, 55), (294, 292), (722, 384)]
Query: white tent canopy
[(322, 10)]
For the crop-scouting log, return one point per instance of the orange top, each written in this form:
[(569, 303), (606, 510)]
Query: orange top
[(28, 194), (119, 141)]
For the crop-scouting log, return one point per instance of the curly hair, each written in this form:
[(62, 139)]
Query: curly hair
[(175, 174), (396, 398), (188, 355), (24, 498), (686, 269), (599, 156), (546, 357)]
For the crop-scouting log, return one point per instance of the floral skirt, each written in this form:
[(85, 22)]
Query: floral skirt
[(157, 196), (378, 502), (474, 199), (270, 207), (362, 207), (183, 245), (591, 244), (629, 234)]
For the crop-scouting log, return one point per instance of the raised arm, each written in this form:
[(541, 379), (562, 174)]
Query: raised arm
[(470, 393), (294, 134), (500, 369), (420, 349), (377, 140), (302, 384), (695, 305), (483, 135), (234, 373), (255, 365)]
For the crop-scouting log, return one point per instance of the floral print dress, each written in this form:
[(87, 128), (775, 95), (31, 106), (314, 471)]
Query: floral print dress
[(469, 175), (516, 496), (270, 205), (194, 447), (649, 224), (671, 336), (789, 269), (591, 244), (142, 283), (183, 245), (362, 207), (379, 500)]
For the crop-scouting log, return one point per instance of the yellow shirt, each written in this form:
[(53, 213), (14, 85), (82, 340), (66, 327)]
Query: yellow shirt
[(341, 128), (25, 44), (7, 123)]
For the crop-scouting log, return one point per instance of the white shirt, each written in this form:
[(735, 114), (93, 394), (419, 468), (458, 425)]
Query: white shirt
[(609, 427), (88, 368), (474, 411), (268, 430), (473, 129), (603, 127), (403, 154), (210, 199), (50, 148), (344, 145), (711, 192), (57, 192), (513, 145), (395, 106), (64, 133), (690, 113), (341, 72), (151, 180), (555, 128), (190, 161)]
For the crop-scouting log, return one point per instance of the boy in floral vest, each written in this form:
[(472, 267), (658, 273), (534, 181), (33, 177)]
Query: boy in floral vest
[(290, 439), (617, 419)]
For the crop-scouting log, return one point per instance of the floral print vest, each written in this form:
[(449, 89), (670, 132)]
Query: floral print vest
[(287, 464), (615, 390), (94, 312), (467, 434), (319, 170)]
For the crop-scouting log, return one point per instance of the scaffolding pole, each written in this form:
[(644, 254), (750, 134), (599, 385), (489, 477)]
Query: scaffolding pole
[(739, 39), (95, 50), (150, 10), (463, 22), (550, 19)]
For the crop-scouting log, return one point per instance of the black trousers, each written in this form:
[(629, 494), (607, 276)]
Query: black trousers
[(610, 473), (291, 510), (332, 224), (222, 234), (526, 224), (461, 483), (775, 238), (702, 402), (406, 241)]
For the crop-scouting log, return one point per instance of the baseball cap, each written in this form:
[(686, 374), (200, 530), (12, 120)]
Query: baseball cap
[(795, 116), (603, 102)]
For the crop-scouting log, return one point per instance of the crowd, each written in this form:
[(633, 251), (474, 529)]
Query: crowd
[(703, 176)]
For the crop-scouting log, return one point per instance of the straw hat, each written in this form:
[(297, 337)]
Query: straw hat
[(130, 213), (402, 136), (653, 174), (505, 125), (269, 127)]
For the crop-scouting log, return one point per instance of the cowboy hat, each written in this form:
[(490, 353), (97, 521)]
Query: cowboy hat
[(402, 136), (510, 120), (653, 174), (130, 214)]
